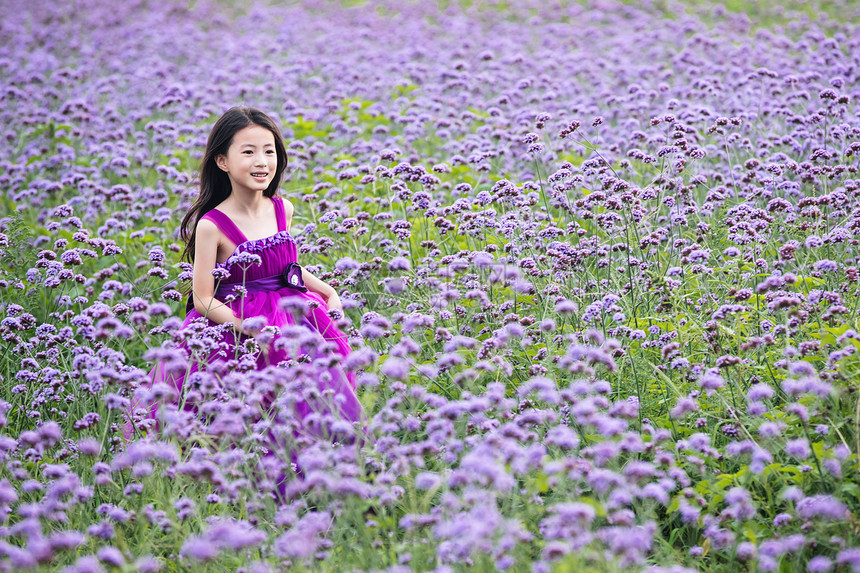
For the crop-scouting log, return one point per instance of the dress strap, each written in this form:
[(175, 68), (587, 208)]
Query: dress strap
[(226, 226), (280, 213)]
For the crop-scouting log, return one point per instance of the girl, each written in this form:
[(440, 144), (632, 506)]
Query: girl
[(245, 277)]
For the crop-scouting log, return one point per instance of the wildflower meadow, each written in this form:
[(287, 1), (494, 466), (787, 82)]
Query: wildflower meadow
[(599, 263)]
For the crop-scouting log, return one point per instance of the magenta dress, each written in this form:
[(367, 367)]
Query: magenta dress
[(313, 335)]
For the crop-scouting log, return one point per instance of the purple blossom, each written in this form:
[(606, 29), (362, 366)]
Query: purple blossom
[(826, 265), (399, 264), (199, 549), (782, 519), (110, 556), (684, 406), (819, 564), (740, 506), (427, 480), (759, 392), (745, 551), (711, 381), (850, 558), (395, 368), (798, 448), (629, 544), (823, 507), (147, 564), (305, 537)]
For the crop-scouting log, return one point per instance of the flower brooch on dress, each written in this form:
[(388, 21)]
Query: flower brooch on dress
[(292, 277)]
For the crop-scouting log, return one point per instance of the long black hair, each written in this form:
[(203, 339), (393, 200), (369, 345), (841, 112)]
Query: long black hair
[(214, 183)]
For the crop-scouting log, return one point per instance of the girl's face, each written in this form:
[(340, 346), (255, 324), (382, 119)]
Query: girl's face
[(251, 160)]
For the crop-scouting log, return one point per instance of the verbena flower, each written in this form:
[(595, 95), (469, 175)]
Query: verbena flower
[(823, 507)]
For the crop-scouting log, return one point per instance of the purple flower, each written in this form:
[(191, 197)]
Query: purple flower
[(116, 402), (484, 469), (65, 540), (823, 507), (656, 492), (399, 264), (89, 447), (825, 265), (245, 259), (220, 274), (684, 406), (850, 558), (566, 307), (813, 242), (629, 544), (771, 429), (254, 324), (86, 564), (184, 508), (8, 495), (819, 564), (233, 535), (427, 480), (110, 556), (756, 408), (833, 467), (346, 264), (147, 564), (745, 551), (740, 504), (199, 549), (562, 437), (395, 368), (798, 448), (759, 392), (139, 451), (792, 493), (711, 381), (304, 538), (570, 522)]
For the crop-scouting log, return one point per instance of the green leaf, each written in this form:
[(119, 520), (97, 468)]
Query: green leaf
[(542, 482)]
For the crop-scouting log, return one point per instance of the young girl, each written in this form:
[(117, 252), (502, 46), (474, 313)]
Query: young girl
[(246, 276)]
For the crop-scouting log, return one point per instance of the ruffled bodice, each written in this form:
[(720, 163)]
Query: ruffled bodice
[(282, 241)]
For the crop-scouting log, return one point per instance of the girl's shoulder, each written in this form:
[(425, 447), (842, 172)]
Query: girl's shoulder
[(288, 207), (288, 213), (207, 231)]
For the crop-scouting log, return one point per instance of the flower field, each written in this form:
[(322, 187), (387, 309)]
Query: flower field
[(599, 262)]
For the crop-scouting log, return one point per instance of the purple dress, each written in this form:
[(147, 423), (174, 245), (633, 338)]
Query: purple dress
[(313, 335)]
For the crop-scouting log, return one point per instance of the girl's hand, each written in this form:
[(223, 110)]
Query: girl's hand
[(333, 301), (328, 294), (235, 327)]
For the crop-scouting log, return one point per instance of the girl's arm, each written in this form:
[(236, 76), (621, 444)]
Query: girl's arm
[(288, 213), (203, 283), (323, 289)]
